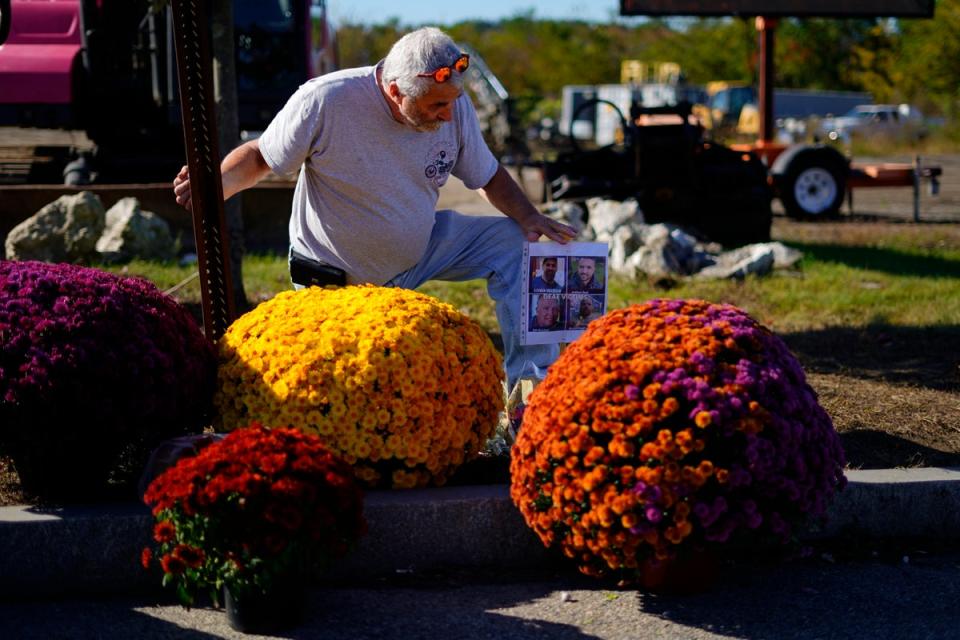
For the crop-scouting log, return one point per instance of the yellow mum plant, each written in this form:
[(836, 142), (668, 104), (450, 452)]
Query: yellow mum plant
[(402, 386)]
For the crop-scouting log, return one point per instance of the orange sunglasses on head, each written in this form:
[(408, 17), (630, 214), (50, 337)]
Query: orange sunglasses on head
[(443, 74)]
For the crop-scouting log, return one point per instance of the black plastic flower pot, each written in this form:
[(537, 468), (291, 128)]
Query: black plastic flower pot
[(282, 608)]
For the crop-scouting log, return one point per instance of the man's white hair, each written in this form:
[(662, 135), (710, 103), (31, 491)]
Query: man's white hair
[(420, 51)]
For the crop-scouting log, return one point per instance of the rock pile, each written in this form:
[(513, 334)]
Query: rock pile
[(77, 229), (63, 231), (134, 233), (665, 250)]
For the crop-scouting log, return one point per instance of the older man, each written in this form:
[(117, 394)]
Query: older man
[(547, 315), (373, 146)]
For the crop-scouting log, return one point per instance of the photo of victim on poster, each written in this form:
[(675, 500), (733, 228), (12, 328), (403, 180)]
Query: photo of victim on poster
[(565, 288)]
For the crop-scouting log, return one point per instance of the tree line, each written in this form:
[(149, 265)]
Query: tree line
[(895, 60)]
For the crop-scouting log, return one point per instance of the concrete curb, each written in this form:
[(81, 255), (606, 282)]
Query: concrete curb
[(97, 549), (898, 503)]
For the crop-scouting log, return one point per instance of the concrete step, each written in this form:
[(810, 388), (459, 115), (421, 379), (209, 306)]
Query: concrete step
[(96, 549)]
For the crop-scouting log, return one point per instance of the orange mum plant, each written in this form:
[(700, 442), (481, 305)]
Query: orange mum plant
[(670, 427)]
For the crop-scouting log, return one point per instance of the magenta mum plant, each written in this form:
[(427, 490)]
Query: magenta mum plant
[(92, 365)]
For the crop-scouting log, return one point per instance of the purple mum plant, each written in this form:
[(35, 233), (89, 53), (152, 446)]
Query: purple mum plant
[(93, 365)]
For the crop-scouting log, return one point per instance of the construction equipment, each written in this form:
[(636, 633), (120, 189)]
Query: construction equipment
[(723, 103), (670, 169), (657, 72), (730, 106), (724, 193), (106, 67), (495, 108), (664, 162)]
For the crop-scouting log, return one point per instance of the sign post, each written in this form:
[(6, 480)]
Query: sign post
[(191, 27)]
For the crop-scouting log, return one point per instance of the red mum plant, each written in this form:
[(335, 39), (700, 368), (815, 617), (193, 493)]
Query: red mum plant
[(669, 428), (93, 367), (259, 506)]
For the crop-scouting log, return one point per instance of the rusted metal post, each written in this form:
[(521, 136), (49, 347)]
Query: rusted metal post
[(917, 173), (766, 27), (191, 27)]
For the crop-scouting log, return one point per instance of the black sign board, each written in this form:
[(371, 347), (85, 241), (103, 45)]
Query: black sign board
[(784, 8)]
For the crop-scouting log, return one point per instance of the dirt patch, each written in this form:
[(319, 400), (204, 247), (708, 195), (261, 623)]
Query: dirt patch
[(886, 425), (893, 392)]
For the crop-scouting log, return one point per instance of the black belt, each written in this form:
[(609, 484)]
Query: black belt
[(309, 272)]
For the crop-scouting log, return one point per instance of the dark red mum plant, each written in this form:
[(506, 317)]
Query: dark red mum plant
[(259, 505)]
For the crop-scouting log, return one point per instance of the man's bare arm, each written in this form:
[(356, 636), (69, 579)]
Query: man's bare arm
[(505, 194), (241, 169)]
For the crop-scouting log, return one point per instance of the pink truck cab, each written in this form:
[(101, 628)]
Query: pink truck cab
[(108, 67), (39, 58)]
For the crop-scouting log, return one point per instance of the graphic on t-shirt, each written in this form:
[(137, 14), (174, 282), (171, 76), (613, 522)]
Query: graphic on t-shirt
[(439, 163)]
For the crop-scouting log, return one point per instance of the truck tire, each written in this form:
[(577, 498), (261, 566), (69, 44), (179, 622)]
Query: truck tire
[(813, 184)]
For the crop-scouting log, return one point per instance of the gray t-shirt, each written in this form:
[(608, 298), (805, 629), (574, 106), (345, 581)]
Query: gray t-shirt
[(367, 192)]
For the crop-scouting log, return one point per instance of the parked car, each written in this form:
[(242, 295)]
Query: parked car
[(900, 120)]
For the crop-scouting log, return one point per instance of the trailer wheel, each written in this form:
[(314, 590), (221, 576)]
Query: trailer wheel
[(813, 185)]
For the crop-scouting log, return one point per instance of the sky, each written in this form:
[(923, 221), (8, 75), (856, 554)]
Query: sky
[(417, 12)]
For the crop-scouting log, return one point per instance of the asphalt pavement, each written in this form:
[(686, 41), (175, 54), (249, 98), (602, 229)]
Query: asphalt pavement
[(903, 595)]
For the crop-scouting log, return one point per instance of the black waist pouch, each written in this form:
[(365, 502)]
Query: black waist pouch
[(309, 272)]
